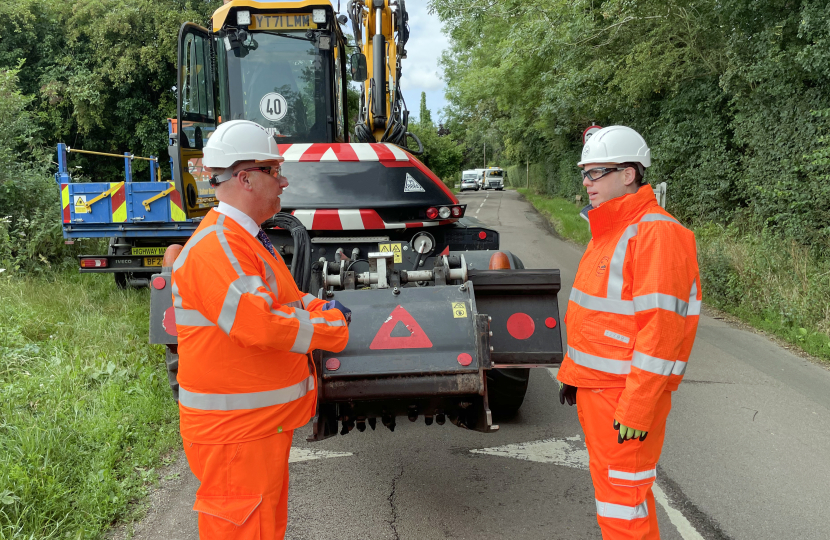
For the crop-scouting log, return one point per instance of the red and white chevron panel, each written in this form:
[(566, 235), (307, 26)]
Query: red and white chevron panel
[(383, 152), (355, 220)]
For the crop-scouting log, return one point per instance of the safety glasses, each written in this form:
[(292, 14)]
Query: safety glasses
[(598, 172), (276, 172)]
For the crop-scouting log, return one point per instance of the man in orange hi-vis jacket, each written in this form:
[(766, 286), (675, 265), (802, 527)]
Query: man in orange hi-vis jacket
[(245, 334), (632, 317)]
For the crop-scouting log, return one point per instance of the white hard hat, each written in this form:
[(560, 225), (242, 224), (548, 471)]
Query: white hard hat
[(616, 144), (235, 141)]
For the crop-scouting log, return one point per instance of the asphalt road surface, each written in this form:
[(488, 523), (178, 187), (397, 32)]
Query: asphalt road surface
[(746, 452)]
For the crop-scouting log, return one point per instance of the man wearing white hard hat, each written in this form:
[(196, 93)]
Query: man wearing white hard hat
[(246, 379), (631, 318)]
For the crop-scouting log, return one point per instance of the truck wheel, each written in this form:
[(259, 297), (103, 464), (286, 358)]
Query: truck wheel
[(172, 361), (506, 389), (121, 280)]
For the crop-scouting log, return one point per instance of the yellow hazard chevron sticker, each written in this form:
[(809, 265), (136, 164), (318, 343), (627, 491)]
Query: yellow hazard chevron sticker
[(176, 211), (119, 203)]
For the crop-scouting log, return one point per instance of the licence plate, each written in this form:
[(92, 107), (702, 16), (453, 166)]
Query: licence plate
[(148, 251), (152, 261), (280, 22)]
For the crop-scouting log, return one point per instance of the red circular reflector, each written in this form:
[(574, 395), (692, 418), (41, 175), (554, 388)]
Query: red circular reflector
[(432, 213), (482, 235), (456, 211), (465, 359), (332, 364), (169, 321), (550, 322), (159, 283), (520, 325)]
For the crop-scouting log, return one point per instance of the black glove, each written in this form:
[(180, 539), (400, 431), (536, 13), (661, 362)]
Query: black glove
[(567, 392), (334, 304)]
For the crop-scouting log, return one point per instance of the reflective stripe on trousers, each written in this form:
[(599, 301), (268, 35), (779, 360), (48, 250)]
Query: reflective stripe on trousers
[(252, 400), (620, 511)]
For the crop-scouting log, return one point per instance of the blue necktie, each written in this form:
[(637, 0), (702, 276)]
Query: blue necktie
[(265, 241)]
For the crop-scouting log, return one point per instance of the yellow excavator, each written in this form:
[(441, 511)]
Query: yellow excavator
[(446, 323)]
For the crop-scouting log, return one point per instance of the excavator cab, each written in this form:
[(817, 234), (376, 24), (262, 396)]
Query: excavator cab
[(280, 64)]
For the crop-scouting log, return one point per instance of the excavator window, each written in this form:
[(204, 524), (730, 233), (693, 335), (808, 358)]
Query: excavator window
[(279, 80)]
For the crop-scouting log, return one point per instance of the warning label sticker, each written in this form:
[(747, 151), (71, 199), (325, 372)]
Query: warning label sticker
[(411, 185), (393, 247), (80, 204), (459, 310)]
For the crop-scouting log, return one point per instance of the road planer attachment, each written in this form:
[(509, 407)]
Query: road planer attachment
[(426, 350)]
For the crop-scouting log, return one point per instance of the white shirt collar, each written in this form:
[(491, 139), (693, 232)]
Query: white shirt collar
[(240, 217)]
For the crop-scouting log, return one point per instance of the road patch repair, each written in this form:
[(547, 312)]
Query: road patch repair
[(571, 452)]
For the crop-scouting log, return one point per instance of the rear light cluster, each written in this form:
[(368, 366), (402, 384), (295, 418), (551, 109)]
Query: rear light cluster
[(93, 263), (446, 212)]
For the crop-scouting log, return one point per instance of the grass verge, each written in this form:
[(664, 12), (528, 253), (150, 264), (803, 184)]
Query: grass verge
[(86, 409), (771, 284), (563, 215)]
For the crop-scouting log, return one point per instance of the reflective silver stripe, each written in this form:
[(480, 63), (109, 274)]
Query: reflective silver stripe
[(177, 299), (617, 511), (220, 234), (282, 313), (608, 365), (252, 400), (191, 317), (679, 368), (320, 320), (652, 364), (658, 217), (245, 284), (307, 299), (615, 270), (661, 301), (694, 303), (304, 333), (295, 304), (595, 303), (195, 239), (270, 278), (642, 475)]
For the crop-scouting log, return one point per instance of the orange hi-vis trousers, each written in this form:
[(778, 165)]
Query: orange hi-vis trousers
[(623, 474), (244, 491)]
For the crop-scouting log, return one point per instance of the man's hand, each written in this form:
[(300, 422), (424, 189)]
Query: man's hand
[(334, 304), (567, 392), (626, 433)]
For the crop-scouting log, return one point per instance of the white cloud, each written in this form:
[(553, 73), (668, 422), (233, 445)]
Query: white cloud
[(421, 72)]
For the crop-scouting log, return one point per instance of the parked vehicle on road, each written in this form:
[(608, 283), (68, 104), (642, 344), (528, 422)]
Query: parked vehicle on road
[(469, 180), (494, 178)]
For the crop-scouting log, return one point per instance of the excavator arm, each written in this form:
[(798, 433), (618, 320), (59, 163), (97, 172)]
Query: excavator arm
[(381, 30)]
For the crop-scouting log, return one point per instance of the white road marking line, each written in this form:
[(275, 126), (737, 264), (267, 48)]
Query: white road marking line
[(569, 452), (686, 529), (308, 454), (478, 210)]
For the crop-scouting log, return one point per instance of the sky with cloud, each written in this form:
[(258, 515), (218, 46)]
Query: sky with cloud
[(421, 72)]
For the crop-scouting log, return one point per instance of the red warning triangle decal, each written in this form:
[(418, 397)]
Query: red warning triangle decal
[(416, 340)]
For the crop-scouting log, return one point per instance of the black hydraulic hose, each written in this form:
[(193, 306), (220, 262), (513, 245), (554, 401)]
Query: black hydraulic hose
[(301, 262)]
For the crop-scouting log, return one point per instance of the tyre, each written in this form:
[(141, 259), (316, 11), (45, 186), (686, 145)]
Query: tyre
[(172, 361), (121, 280), (506, 389)]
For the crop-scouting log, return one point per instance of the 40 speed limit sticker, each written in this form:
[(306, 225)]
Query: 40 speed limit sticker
[(273, 106)]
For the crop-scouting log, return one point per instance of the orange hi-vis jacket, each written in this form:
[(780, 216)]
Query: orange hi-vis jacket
[(634, 307), (245, 331)]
